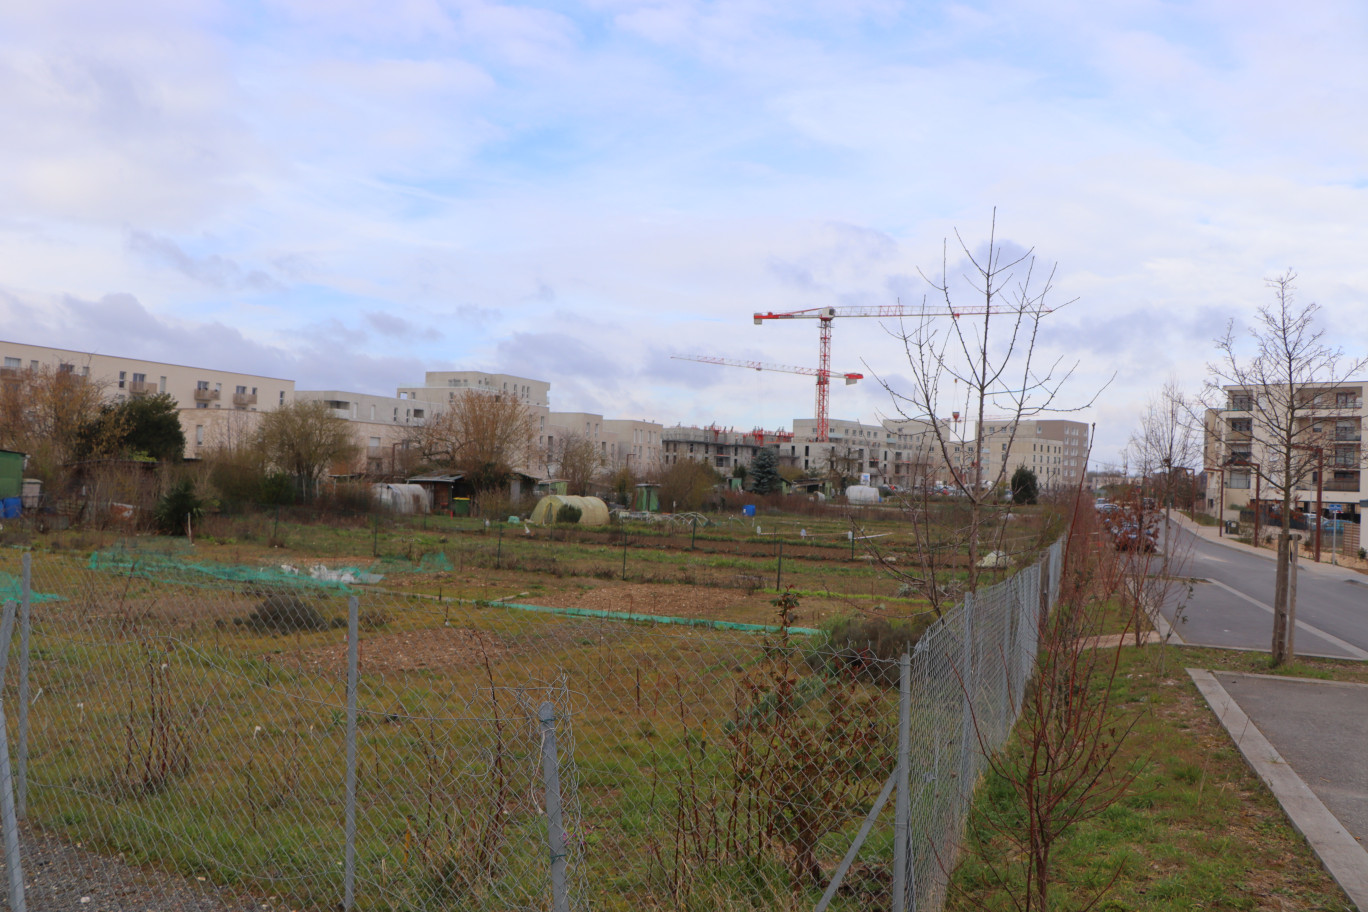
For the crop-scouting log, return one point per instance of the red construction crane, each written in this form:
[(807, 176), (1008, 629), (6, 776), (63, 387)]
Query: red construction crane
[(823, 375), (824, 316)]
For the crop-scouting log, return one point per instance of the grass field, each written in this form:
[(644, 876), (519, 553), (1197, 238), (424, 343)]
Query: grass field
[(170, 732)]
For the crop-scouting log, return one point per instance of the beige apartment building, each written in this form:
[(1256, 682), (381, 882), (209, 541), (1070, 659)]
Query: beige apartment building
[(383, 427), (1329, 444), (442, 387), (722, 448), (215, 405), (1055, 449), (634, 444), (903, 454)]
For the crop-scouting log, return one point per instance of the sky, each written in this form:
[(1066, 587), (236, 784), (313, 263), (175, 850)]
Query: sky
[(350, 193)]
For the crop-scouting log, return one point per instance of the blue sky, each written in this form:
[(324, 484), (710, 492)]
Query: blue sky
[(349, 192)]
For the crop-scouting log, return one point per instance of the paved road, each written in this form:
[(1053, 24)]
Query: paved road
[(1231, 605)]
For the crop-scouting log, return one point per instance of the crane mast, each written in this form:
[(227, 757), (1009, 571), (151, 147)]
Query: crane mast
[(824, 317)]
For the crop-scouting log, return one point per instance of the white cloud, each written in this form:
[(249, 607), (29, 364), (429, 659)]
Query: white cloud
[(356, 191)]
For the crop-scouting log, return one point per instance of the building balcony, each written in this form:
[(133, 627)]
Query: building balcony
[(140, 388), (9, 373), (1341, 484), (1348, 436), (242, 400), (207, 395)]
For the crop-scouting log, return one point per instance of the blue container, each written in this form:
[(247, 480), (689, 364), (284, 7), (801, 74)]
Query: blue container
[(10, 507), (748, 510)]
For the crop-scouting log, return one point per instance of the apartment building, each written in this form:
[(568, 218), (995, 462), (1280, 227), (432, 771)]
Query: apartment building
[(215, 405), (383, 426), (722, 448), (1055, 449), (633, 444), (1328, 449), (902, 453)]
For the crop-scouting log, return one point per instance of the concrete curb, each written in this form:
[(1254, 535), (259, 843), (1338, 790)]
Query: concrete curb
[(1341, 854)]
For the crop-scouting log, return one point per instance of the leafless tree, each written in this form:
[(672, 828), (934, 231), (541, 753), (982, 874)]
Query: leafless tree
[(988, 353), (50, 414), (1167, 446), (578, 461), (304, 439), (486, 436), (1278, 380)]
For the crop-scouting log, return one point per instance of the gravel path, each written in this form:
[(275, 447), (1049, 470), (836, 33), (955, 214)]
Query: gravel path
[(64, 878)]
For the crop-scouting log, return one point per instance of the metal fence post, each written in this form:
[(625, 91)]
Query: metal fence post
[(903, 803), (349, 864), (555, 830), (967, 719), (8, 820), (22, 771)]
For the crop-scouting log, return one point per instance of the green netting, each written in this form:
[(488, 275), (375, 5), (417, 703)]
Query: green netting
[(205, 574), (12, 589)]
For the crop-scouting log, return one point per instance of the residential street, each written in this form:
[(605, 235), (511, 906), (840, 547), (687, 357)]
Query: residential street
[(1230, 604)]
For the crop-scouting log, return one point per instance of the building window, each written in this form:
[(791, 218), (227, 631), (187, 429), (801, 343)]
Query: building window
[(123, 376), (199, 435), (161, 385)]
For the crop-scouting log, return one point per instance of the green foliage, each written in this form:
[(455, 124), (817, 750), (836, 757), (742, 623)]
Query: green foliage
[(152, 426), (143, 426), (1025, 487), (568, 514), (765, 472), (868, 647), (278, 489), (177, 506)]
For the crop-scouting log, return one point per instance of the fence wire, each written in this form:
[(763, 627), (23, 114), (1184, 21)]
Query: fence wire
[(180, 733)]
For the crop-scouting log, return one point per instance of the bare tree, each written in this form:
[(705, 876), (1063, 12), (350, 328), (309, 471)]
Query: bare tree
[(578, 461), (52, 415), (989, 353), (486, 436), (304, 439), (1167, 445), (1278, 402)]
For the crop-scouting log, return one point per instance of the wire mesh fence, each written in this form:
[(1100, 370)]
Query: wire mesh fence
[(313, 746)]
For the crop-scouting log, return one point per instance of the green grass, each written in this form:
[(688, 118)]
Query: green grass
[(1196, 830)]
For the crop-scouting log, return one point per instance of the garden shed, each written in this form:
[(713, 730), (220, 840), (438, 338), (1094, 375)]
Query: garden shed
[(593, 512)]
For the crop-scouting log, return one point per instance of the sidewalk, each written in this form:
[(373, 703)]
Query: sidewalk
[(1303, 738)]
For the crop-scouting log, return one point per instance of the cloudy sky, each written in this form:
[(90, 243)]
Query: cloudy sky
[(349, 192)]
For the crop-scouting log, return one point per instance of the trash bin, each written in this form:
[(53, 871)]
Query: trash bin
[(1232, 527), (748, 510)]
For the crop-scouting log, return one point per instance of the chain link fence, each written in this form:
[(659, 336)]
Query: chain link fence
[(264, 744)]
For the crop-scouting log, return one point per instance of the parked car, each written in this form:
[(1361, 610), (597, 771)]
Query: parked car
[(1133, 536)]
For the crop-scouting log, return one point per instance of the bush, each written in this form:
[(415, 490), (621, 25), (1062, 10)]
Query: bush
[(568, 514), (1025, 486), (278, 489), (286, 612), (867, 648), (177, 508)]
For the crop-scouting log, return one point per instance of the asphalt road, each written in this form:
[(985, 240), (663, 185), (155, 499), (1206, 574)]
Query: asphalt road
[(1230, 602)]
